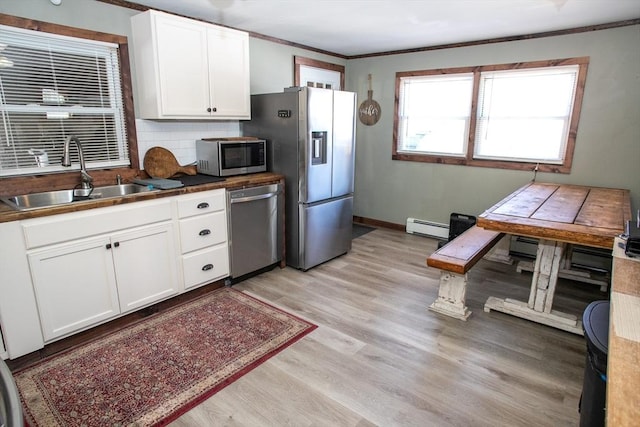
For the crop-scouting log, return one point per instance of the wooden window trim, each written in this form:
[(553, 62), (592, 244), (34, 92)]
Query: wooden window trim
[(34, 183), (299, 60), (468, 159)]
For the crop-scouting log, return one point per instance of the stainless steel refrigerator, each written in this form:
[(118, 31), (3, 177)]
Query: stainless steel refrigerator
[(310, 135)]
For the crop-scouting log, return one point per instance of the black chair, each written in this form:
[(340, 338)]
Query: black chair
[(458, 224)]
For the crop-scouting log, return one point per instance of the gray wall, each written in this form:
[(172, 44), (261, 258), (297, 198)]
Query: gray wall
[(607, 147), (272, 64)]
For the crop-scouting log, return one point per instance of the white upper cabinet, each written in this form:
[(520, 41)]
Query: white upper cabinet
[(186, 69)]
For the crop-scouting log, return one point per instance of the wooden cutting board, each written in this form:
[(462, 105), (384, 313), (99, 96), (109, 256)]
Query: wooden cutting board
[(161, 163)]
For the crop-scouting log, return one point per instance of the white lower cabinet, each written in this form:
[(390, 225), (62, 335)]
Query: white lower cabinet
[(75, 286), (62, 274), (82, 283), (203, 237), (205, 266), (145, 260)]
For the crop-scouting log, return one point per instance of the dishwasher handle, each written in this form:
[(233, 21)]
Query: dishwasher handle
[(252, 198)]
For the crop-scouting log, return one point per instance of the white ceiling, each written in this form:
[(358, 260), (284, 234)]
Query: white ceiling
[(356, 27)]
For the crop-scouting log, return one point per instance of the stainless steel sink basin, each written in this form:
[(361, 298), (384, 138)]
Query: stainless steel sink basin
[(48, 199), (117, 191)]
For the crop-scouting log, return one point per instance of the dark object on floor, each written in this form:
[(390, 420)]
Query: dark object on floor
[(595, 322), (632, 248), (360, 230), (458, 224), (190, 180)]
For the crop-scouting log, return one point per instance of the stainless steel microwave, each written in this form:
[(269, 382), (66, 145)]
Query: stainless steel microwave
[(231, 156)]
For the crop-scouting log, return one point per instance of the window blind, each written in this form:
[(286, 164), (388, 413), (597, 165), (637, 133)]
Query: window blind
[(52, 87)]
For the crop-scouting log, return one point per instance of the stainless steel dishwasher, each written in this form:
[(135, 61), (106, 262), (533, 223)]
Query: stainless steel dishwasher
[(255, 228)]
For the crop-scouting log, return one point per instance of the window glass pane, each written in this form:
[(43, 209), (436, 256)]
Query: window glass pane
[(525, 114), (435, 113), (54, 87)]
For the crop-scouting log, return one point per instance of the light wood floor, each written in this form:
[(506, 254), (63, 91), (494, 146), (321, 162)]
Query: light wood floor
[(379, 357)]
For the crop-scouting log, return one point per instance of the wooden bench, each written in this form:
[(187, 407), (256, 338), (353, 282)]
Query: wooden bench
[(454, 260)]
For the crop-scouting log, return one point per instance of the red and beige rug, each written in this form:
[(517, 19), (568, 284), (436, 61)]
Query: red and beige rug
[(150, 373)]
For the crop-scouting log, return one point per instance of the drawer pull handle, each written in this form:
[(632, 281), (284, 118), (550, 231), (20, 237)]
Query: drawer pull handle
[(205, 232), (108, 246), (116, 244), (207, 267), (203, 205)]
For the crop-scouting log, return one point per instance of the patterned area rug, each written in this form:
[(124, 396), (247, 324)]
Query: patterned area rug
[(151, 372)]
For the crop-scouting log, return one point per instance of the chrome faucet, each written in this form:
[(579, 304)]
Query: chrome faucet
[(66, 161)]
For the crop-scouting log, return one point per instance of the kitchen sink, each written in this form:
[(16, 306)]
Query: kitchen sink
[(117, 190), (48, 199)]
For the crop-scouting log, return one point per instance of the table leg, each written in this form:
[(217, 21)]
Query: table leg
[(545, 275), (543, 287), (566, 272)]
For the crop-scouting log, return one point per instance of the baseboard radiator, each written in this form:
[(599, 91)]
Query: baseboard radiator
[(422, 227)]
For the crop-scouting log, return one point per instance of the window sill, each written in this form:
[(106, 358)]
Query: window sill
[(496, 164)]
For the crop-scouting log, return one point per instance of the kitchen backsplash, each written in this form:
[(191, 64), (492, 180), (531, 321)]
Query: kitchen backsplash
[(180, 137)]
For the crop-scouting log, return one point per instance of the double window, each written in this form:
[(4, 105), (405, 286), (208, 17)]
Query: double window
[(53, 87), (516, 116)]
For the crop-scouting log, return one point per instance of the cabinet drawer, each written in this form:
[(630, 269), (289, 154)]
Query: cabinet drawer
[(201, 203), (202, 231), (205, 266), (77, 225)]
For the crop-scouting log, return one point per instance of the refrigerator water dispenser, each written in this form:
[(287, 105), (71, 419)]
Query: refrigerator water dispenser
[(318, 148)]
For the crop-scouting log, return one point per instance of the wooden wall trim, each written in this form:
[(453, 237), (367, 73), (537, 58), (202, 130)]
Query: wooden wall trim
[(379, 223), (577, 30), (143, 8), (589, 28), (47, 27)]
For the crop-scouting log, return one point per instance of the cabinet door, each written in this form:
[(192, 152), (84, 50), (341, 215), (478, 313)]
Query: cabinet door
[(75, 286), (145, 265), (229, 73), (183, 67)]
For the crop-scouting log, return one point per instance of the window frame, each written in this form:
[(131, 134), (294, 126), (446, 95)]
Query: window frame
[(87, 74), (32, 183), (468, 159), (299, 61)]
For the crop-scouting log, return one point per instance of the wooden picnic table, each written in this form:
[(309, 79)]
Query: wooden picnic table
[(559, 215)]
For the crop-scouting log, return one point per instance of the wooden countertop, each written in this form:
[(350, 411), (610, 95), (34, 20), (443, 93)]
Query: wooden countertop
[(623, 356), (590, 216), (9, 214)]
